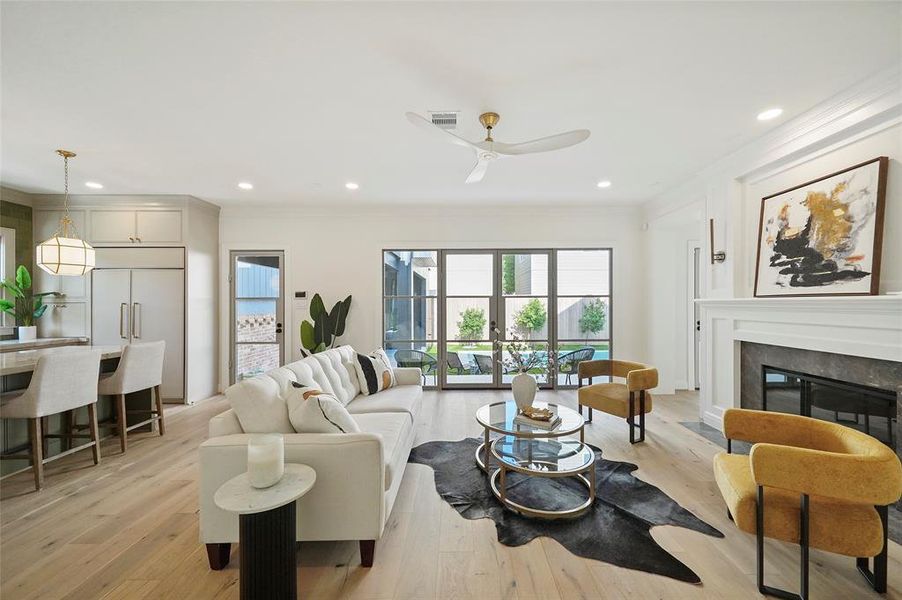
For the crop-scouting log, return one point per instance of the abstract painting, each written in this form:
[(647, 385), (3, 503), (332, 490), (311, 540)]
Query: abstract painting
[(824, 237)]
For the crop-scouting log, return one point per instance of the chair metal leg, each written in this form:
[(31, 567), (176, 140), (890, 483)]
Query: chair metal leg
[(632, 417), (590, 414), (37, 451), (120, 421), (95, 437), (877, 577), (803, 545)]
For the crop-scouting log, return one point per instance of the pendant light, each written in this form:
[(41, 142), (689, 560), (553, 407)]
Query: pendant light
[(65, 253)]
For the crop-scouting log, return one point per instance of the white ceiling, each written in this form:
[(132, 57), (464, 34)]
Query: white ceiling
[(299, 98)]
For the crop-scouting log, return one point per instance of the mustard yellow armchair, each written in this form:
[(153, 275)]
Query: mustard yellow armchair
[(810, 482), (626, 400)]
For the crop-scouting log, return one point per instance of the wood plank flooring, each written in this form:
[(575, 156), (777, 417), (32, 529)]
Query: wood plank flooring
[(128, 527)]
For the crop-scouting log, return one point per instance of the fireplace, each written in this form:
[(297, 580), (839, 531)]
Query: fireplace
[(868, 409), (855, 391)]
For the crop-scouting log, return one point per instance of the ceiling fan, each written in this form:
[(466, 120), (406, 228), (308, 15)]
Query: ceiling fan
[(488, 150)]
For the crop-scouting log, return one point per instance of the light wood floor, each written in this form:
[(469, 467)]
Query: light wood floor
[(128, 527)]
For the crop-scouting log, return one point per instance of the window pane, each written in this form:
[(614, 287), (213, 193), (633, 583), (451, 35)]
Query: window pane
[(467, 319), (526, 317), (539, 370), (409, 319), (410, 273), (469, 363), (582, 319), (468, 274), (254, 359), (583, 272), (415, 354), (524, 274), (570, 354), (255, 321), (257, 277)]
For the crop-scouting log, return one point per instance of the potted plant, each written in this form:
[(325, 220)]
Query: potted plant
[(25, 306), (327, 326), (525, 359)]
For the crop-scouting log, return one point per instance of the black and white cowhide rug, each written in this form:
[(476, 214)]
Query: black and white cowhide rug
[(615, 530)]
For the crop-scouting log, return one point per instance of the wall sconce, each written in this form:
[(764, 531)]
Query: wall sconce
[(716, 257)]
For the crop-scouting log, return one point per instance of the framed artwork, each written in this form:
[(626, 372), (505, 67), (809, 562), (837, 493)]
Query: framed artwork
[(823, 238)]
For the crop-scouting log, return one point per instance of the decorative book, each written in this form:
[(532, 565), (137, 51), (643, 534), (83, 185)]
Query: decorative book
[(549, 425)]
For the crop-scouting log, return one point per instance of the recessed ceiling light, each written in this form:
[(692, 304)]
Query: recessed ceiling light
[(604, 184), (352, 186), (770, 113), (94, 185), (244, 185)]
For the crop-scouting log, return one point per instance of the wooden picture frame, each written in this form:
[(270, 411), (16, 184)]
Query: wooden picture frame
[(800, 270)]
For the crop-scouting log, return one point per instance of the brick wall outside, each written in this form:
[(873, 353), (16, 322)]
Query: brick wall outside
[(254, 359)]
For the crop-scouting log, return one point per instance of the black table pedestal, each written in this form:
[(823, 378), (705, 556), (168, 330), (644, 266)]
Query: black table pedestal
[(267, 553)]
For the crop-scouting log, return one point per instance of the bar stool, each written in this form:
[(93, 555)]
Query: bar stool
[(61, 382), (140, 368)]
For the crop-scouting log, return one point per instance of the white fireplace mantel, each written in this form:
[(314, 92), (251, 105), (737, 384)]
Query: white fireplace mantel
[(868, 326)]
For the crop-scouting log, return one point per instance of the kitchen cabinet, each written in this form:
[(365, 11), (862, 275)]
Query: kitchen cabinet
[(135, 226), (158, 226), (64, 319)]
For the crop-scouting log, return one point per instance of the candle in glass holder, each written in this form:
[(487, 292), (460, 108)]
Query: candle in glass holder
[(265, 459)]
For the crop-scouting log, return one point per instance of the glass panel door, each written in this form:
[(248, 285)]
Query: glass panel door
[(257, 313), (470, 315), (523, 304)]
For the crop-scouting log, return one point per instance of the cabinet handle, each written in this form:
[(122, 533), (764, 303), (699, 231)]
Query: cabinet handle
[(137, 239), (136, 321), (131, 239), (123, 330)]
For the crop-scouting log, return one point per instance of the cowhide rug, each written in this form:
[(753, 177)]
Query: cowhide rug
[(615, 530)]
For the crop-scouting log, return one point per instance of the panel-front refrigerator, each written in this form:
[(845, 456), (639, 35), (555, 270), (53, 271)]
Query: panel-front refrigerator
[(143, 305)]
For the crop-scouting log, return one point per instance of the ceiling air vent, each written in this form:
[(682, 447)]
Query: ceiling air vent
[(444, 119)]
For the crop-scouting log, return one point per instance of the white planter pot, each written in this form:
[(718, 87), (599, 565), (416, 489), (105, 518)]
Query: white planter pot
[(524, 388), (26, 334)]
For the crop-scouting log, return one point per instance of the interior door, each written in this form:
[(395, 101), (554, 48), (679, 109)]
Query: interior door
[(158, 313), (256, 281), (110, 306)]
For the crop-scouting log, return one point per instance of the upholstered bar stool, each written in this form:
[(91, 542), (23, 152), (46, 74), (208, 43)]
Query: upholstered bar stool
[(140, 368), (60, 382)]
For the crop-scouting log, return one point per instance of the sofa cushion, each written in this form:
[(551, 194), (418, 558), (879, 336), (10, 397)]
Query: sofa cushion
[(374, 372), (312, 411), (394, 429), (332, 364), (259, 405), (399, 399)]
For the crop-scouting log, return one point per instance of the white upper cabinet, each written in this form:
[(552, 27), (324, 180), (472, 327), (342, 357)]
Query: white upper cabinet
[(158, 226), (136, 226), (46, 223)]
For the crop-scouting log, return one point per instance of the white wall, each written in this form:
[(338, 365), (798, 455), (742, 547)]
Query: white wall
[(339, 252)]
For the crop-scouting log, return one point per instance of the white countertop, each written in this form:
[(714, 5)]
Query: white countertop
[(24, 361), (15, 345)]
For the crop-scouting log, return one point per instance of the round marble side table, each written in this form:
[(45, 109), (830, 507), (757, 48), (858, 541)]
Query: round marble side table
[(267, 520)]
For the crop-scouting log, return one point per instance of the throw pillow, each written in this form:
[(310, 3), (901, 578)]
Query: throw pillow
[(314, 411), (259, 406), (374, 372)]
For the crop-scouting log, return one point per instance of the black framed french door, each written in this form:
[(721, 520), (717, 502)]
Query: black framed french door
[(489, 295)]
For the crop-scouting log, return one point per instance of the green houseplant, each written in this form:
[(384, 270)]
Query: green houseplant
[(326, 327), (25, 306)]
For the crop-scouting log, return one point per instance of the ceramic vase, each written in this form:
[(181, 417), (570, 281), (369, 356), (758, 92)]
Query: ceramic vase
[(524, 388), (26, 334)]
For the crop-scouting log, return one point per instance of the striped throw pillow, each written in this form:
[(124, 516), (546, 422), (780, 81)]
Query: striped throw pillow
[(374, 372)]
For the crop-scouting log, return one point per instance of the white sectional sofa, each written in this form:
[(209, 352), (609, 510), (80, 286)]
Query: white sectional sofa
[(357, 474)]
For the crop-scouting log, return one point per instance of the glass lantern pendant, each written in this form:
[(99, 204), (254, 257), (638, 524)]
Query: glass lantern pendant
[(65, 253)]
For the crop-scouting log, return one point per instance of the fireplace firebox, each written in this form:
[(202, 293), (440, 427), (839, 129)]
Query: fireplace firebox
[(868, 409)]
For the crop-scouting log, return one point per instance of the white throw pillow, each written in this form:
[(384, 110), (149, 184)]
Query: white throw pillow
[(374, 372), (259, 405), (314, 411)]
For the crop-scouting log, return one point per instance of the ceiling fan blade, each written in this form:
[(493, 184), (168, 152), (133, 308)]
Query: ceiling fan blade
[(478, 171), (427, 125), (545, 144)]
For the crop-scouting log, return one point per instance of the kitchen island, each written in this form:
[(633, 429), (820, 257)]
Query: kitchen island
[(15, 345)]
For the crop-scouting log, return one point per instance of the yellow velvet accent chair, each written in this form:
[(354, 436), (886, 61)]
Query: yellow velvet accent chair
[(809, 482), (626, 400)]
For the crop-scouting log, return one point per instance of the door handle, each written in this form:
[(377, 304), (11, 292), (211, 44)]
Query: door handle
[(278, 328), (123, 328), (136, 321), (698, 325)]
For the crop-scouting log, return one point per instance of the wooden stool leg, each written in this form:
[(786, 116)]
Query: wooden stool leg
[(45, 443), (37, 451), (120, 420), (159, 399), (92, 423)]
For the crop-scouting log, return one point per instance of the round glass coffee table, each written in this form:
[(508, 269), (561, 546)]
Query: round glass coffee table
[(543, 457), (499, 417)]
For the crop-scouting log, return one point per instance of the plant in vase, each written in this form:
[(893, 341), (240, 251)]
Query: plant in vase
[(26, 307), (527, 360)]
